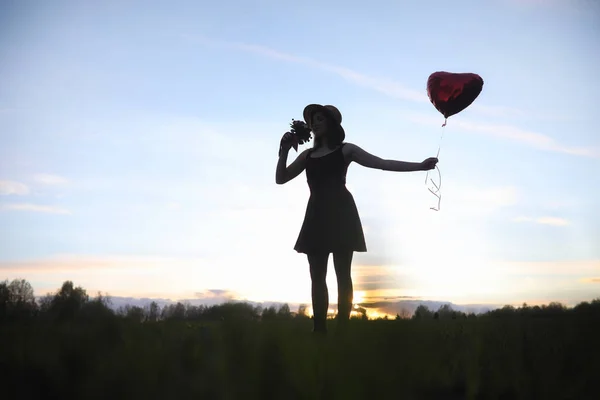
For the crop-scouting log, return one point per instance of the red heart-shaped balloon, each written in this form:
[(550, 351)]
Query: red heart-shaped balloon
[(450, 93)]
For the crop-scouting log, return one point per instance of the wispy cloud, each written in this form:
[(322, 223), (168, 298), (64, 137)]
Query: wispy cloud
[(512, 133), (498, 111), (533, 139), (49, 179), (34, 208), (591, 280), (457, 198), (504, 112), (557, 268), (497, 196), (13, 188), (216, 296), (76, 262), (174, 277), (370, 278), (386, 86), (382, 85), (553, 221), (395, 89), (127, 275), (547, 3), (173, 205)]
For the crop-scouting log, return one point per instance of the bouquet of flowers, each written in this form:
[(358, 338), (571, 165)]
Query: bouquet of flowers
[(300, 133)]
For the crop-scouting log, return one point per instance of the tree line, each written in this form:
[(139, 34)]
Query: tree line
[(70, 302)]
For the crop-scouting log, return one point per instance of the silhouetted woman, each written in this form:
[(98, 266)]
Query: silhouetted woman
[(331, 223)]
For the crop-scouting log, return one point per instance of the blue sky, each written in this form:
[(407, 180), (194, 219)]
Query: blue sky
[(139, 144)]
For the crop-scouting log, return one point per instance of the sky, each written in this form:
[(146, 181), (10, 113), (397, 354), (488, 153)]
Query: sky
[(139, 142)]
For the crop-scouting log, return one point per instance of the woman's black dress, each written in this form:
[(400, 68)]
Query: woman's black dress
[(331, 222)]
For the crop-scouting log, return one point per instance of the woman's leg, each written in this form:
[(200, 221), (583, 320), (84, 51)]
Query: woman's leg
[(320, 295), (342, 263)]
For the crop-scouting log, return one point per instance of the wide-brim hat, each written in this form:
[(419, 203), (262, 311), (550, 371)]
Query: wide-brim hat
[(330, 110)]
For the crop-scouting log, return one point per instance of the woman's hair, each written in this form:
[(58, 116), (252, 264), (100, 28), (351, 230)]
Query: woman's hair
[(335, 134)]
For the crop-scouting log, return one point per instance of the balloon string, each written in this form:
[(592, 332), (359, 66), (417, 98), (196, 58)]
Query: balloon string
[(438, 188), (437, 193)]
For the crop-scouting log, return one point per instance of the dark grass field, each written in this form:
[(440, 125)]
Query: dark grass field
[(485, 357)]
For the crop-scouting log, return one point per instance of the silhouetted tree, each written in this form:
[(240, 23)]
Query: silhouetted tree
[(152, 312), (422, 312), (132, 313), (173, 312), (21, 292), (66, 303), (269, 313), (284, 311), (554, 309), (4, 300), (98, 308), (445, 311), (17, 300), (192, 312), (235, 311)]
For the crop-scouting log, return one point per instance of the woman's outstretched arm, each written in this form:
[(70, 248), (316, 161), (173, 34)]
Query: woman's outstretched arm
[(368, 160)]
